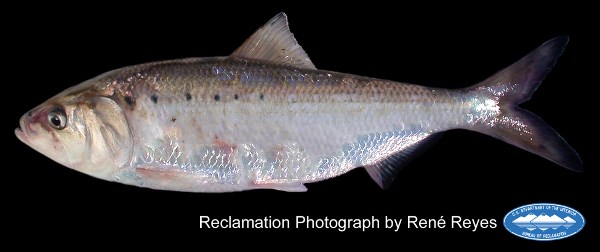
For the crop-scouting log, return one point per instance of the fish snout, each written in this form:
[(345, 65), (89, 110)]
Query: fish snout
[(24, 131)]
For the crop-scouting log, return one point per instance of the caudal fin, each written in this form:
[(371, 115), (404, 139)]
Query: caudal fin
[(499, 115)]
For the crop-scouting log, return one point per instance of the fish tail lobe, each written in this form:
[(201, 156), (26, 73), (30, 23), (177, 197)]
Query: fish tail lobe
[(495, 110)]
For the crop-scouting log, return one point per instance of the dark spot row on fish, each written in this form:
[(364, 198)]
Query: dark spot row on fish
[(237, 97), (188, 97), (130, 100)]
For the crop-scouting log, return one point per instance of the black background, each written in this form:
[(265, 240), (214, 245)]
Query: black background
[(450, 46)]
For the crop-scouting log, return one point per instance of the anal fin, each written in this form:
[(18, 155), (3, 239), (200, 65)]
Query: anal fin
[(384, 171), (286, 187)]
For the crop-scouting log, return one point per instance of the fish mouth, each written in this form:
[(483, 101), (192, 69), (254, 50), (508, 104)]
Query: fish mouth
[(21, 135), (23, 131)]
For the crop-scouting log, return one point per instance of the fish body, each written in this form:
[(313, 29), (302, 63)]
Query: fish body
[(265, 117)]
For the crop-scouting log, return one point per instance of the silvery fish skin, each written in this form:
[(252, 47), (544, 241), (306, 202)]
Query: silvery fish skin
[(265, 117)]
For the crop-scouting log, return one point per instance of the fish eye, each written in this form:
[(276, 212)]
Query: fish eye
[(57, 119)]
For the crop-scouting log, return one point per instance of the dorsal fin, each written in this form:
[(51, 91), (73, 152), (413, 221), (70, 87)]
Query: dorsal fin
[(274, 43)]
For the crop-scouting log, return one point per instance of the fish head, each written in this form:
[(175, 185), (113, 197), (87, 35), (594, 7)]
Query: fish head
[(81, 128)]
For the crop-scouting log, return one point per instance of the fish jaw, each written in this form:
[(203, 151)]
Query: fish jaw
[(21, 135)]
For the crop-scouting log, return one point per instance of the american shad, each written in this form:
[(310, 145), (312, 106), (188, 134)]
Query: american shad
[(265, 117)]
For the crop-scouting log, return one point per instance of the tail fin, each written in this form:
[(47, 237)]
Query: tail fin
[(506, 121)]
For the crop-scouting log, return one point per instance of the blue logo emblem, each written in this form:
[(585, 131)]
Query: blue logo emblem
[(544, 221)]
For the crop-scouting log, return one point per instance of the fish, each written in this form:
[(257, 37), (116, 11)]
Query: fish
[(265, 117)]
